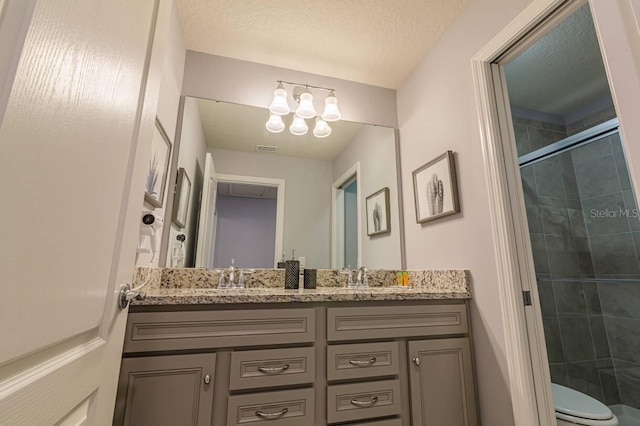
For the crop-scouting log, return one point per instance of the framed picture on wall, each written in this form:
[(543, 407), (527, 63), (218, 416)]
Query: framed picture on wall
[(435, 188), (181, 199), (158, 166), (378, 217)]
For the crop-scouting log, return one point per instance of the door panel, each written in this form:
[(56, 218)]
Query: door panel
[(442, 387), (206, 225), (69, 157), (166, 390)]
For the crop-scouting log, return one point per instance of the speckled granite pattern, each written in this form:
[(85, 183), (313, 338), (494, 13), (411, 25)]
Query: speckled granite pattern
[(443, 280), (169, 286), (150, 277), (200, 296)]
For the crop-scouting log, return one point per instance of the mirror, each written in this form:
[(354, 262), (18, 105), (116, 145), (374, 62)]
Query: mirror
[(270, 193)]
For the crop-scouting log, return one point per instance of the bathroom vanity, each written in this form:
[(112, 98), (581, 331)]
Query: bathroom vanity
[(374, 356)]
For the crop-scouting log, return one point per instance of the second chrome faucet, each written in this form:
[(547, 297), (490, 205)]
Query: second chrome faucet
[(362, 277), (232, 271)]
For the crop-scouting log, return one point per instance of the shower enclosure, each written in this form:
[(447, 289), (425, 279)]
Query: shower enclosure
[(585, 235)]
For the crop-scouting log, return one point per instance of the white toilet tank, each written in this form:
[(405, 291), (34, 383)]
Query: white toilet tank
[(575, 408)]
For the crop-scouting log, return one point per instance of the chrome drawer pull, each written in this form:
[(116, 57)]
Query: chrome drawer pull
[(365, 403), (360, 363), (272, 370), (272, 416)]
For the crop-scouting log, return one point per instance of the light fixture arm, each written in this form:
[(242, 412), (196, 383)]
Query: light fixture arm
[(306, 86)]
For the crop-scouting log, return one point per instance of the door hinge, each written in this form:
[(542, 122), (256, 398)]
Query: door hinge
[(526, 295)]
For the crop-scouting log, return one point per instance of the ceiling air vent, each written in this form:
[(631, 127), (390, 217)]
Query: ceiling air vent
[(266, 148)]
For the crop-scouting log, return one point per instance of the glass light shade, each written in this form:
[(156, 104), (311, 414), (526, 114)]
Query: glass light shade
[(322, 129), (275, 124), (298, 127), (279, 105), (331, 112), (306, 109)]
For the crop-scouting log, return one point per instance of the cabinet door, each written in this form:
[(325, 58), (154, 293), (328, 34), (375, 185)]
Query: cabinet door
[(442, 387), (165, 391)]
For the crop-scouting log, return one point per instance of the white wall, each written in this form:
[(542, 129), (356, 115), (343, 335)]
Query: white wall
[(192, 152), (437, 112), (307, 212), (168, 104), (245, 231), (375, 148)]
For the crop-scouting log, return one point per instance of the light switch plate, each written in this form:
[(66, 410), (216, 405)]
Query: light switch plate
[(302, 260)]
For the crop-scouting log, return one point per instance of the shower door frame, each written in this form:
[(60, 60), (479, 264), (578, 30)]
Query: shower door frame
[(528, 367)]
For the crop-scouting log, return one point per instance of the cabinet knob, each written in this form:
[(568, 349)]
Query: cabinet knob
[(207, 379), (416, 361)]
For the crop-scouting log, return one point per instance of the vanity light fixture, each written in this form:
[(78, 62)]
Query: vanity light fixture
[(305, 110), (322, 129), (303, 96), (298, 126), (331, 112), (279, 105), (275, 123)]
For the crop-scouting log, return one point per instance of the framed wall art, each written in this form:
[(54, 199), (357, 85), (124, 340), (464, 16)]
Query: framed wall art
[(181, 199), (158, 166), (435, 188), (378, 217)]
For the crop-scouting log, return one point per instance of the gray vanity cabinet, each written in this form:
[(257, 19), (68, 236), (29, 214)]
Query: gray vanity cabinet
[(314, 364), (441, 381), (166, 391)]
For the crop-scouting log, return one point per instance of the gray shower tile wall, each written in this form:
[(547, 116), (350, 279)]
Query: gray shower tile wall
[(591, 120), (583, 221), (621, 309), (533, 134), (575, 332), (611, 222)]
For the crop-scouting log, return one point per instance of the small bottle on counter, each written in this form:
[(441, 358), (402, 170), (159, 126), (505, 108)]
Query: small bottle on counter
[(281, 264)]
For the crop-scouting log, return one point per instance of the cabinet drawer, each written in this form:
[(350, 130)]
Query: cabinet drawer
[(362, 360), (360, 401), (391, 422), (284, 408), (272, 367), (391, 322), (159, 331)]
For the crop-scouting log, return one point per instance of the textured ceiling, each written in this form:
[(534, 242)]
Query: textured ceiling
[(562, 71), (376, 42), (241, 128)]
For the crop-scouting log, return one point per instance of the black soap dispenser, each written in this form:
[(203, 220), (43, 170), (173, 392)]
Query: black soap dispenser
[(282, 263), (292, 273)]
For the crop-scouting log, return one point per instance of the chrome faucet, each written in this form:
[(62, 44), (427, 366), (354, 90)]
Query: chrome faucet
[(222, 281), (362, 277), (232, 274), (349, 273)]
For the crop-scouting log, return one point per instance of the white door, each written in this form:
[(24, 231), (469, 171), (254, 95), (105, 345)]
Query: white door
[(76, 121), (205, 243)]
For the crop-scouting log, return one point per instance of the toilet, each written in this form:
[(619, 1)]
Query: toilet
[(575, 408)]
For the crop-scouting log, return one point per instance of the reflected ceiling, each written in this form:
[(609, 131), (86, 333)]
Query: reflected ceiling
[(241, 128)]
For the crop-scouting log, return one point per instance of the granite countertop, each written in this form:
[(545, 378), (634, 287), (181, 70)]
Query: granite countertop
[(166, 286)]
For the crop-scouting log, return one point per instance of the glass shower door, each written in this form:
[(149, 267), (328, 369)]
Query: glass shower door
[(585, 236)]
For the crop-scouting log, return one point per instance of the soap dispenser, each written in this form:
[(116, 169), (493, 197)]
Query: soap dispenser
[(282, 264), (292, 273)]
